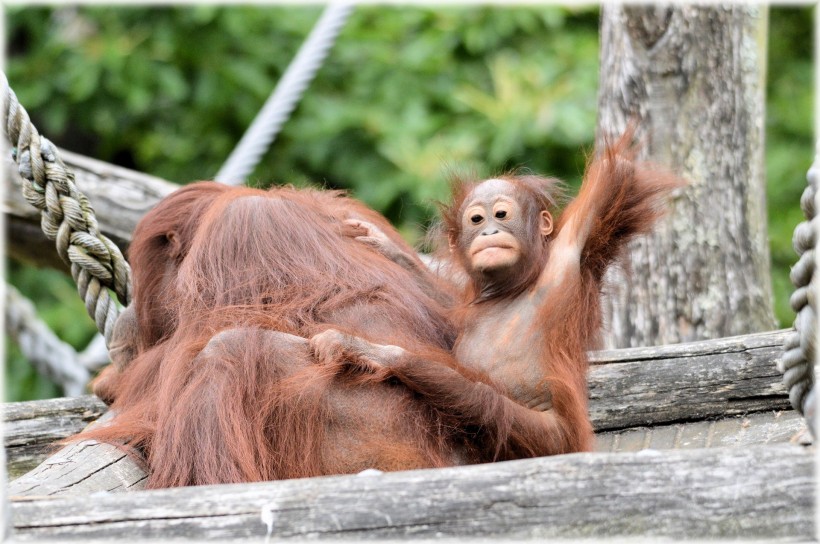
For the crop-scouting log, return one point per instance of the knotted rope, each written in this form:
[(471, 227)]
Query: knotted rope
[(67, 217), (797, 363)]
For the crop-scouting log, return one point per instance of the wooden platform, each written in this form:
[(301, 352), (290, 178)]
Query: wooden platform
[(630, 389), (761, 492), (31, 428), (694, 440)]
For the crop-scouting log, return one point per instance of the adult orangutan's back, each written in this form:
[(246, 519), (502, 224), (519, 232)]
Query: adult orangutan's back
[(228, 395)]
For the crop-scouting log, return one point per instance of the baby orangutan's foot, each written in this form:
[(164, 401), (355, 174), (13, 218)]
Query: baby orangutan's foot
[(335, 347)]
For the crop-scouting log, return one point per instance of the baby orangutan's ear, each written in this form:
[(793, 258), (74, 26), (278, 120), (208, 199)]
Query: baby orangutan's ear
[(452, 240), (545, 223)]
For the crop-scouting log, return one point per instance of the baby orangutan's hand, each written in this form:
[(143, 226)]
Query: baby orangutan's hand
[(374, 237)]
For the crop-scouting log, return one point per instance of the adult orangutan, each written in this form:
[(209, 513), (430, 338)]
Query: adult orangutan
[(163, 238), (224, 388), (531, 306)]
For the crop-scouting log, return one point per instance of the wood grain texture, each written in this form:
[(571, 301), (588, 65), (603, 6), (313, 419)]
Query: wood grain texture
[(763, 492), (740, 431), (79, 469), (88, 467), (31, 428), (692, 77), (666, 384)]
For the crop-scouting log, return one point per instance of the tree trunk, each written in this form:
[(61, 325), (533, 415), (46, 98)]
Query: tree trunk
[(693, 79)]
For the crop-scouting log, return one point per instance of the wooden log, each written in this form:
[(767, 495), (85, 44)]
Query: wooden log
[(740, 431), (763, 492), (87, 467), (704, 271), (684, 382), (32, 428), (120, 197), (636, 387), (29, 448), (81, 468)]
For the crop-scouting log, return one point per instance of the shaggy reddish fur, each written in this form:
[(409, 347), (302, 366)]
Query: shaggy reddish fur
[(211, 260)]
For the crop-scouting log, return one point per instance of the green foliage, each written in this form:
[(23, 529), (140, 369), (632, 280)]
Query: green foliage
[(407, 95), (789, 141)]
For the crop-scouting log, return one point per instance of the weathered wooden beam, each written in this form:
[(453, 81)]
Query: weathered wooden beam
[(685, 382), (119, 196), (764, 492), (738, 431), (82, 468), (637, 387), (29, 448), (88, 467), (30, 429)]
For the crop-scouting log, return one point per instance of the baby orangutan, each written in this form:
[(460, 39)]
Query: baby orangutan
[(530, 308)]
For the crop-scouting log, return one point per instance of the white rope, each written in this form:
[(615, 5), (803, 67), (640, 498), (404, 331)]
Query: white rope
[(95, 354), (264, 129), (48, 354)]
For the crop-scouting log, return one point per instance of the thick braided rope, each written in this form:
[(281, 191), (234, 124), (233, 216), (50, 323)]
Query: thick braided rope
[(67, 217), (264, 129), (50, 356), (797, 363)]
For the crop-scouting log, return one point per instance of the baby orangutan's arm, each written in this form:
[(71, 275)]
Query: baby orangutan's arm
[(508, 430)]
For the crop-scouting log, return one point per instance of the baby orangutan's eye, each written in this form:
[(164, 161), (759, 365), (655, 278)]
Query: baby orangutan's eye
[(501, 214), (476, 219)]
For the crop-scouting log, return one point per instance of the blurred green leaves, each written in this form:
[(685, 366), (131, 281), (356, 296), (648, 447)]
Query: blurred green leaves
[(406, 95), (789, 141)]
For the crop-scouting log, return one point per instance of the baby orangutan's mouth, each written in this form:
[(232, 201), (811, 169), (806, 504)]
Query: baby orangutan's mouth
[(492, 245)]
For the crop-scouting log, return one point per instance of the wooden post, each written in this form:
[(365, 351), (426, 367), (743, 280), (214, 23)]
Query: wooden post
[(693, 78)]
